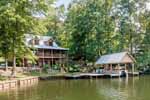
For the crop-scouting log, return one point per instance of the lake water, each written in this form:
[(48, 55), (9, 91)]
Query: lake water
[(136, 88)]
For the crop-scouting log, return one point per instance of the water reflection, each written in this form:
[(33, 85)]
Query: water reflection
[(114, 89), (136, 88)]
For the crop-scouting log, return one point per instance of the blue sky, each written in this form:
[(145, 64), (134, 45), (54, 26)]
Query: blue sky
[(65, 2)]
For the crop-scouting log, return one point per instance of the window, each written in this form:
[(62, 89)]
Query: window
[(36, 41)]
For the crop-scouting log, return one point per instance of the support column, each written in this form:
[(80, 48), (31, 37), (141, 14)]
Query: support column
[(119, 69), (133, 68), (43, 57), (52, 57), (126, 70), (111, 67), (34, 51), (59, 57), (67, 59)]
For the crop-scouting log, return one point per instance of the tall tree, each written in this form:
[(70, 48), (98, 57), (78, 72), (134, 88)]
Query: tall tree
[(90, 27), (143, 57), (18, 17)]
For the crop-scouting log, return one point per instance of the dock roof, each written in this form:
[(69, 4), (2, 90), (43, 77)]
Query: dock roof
[(116, 58)]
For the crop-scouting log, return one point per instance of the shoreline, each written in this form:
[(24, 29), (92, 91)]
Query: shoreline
[(32, 80), (83, 76), (20, 82)]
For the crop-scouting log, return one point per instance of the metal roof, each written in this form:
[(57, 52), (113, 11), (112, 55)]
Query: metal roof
[(48, 47), (41, 44), (114, 58)]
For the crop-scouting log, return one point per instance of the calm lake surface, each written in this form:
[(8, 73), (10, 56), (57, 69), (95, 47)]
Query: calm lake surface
[(136, 88)]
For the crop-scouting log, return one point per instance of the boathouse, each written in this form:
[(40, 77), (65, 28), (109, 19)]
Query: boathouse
[(47, 51), (117, 62)]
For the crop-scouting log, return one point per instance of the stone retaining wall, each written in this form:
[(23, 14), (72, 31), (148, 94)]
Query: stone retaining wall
[(12, 84), (4, 85), (27, 81)]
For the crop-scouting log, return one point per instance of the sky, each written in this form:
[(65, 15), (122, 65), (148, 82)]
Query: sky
[(65, 2)]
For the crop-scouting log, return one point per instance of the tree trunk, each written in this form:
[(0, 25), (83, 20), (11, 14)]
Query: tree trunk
[(23, 63), (6, 64), (14, 58), (14, 66), (131, 43)]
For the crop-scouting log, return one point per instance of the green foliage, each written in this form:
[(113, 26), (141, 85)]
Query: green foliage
[(56, 67), (74, 68), (2, 78), (17, 18), (97, 27), (45, 67), (90, 28), (144, 53)]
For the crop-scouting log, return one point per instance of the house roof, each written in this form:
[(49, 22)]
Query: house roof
[(116, 58), (42, 44), (49, 47)]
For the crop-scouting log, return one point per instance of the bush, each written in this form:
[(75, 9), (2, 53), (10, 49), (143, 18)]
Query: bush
[(45, 67), (2, 78), (74, 68), (56, 67)]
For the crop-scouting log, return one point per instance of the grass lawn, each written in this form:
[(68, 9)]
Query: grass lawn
[(2, 78)]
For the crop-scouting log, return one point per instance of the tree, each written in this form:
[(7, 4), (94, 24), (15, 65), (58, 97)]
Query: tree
[(143, 57), (96, 27), (4, 46), (18, 18), (55, 23), (90, 28)]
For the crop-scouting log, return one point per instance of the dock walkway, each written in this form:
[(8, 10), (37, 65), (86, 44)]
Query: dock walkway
[(83, 76), (89, 75)]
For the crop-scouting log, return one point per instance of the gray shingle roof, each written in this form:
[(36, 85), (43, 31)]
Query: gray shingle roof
[(49, 47), (112, 58), (42, 45)]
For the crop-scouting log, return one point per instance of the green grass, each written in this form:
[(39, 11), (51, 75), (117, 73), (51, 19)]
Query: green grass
[(2, 78), (35, 73)]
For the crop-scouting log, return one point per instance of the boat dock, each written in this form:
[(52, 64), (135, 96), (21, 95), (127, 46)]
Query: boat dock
[(89, 75), (86, 75), (133, 73)]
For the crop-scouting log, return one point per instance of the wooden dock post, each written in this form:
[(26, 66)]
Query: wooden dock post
[(133, 68)]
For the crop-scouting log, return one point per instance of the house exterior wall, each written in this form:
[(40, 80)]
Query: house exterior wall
[(51, 57)]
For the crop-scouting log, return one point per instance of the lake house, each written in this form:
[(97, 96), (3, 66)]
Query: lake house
[(46, 50)]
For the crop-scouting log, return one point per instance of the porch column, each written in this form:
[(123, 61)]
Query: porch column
[(38, 61), (126, 70), (52, 57), (59, 57), (111, 67), (43, 57), (34, 51), (67, 59), (125, 66), (60, 61), (119, 68)]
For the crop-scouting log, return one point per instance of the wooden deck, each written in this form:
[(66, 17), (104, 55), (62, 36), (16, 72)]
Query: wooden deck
[(84, 76), (133, 73), (90, 75)]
